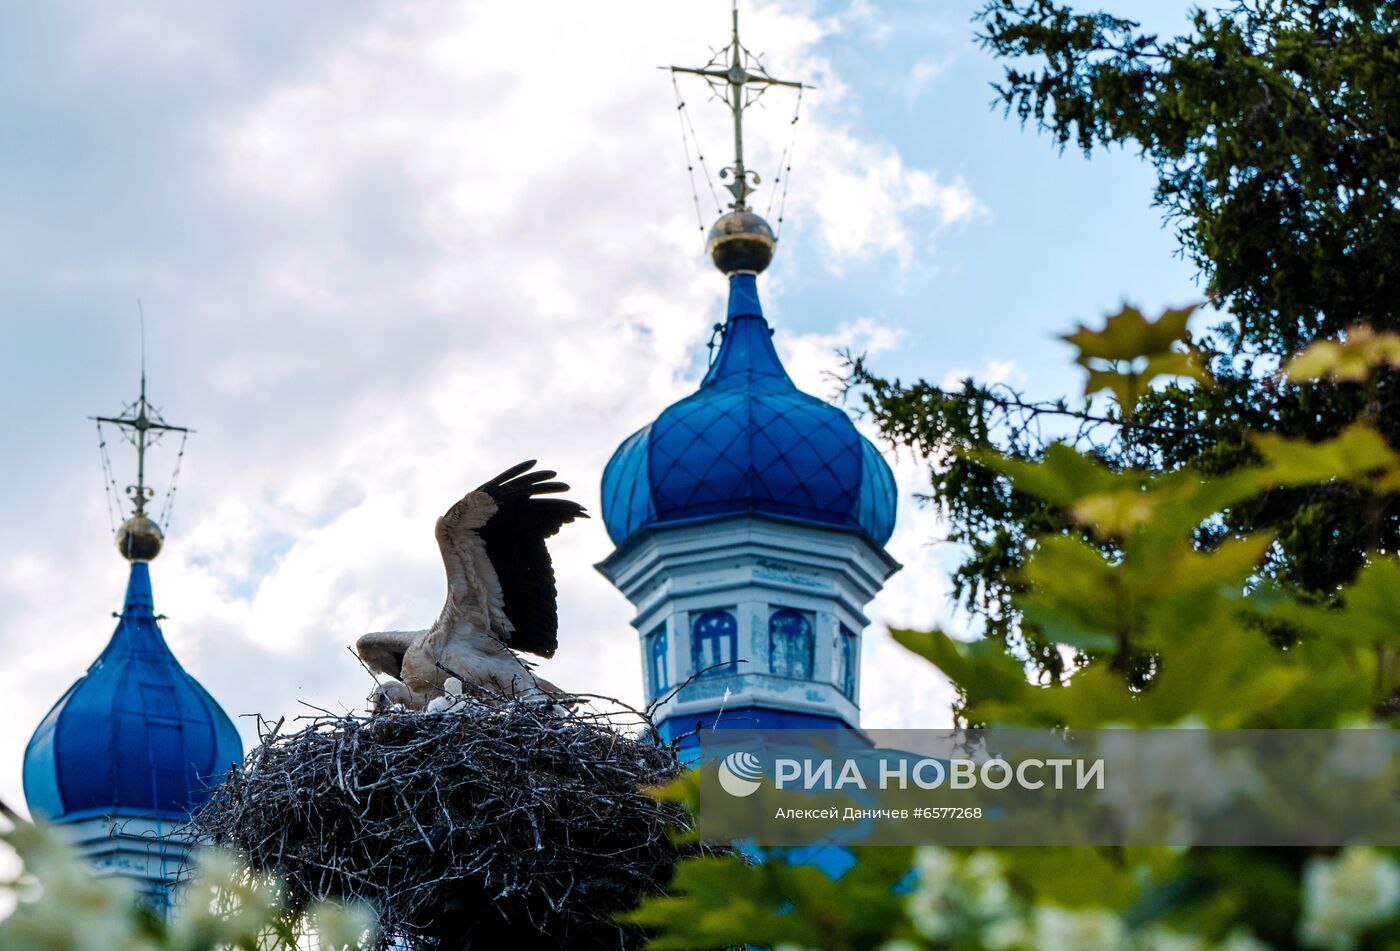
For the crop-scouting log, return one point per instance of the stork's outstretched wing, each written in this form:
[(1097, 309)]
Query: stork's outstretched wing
[(383, 651), (498, 569)]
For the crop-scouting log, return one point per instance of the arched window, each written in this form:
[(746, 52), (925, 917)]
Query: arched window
[(656, 660), (715, 643), (790, 644), (845, 656)]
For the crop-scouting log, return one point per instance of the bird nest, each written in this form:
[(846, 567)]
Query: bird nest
[(486, 826)]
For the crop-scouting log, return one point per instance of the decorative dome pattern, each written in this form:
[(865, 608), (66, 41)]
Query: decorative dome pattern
[(748, 441), (135, 736)]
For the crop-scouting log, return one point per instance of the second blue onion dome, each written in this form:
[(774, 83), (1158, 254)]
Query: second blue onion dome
[(748, 441), (136, 736)]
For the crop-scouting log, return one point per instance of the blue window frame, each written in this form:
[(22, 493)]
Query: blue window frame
[(656, 660), (790, 643), (715, 643), (845, 655)]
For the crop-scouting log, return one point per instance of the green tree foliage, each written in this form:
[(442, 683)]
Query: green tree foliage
[(1272, 127)]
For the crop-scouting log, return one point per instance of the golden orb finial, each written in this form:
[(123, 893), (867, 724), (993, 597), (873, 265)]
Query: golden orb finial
[(139, 538), (741, 241)]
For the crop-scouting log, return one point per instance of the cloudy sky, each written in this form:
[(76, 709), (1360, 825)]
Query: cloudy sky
[(386, 249)]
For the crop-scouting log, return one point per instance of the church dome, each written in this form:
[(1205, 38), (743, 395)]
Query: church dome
[(748, 441), (135, 736)]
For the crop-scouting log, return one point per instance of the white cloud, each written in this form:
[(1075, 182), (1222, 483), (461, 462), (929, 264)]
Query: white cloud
[(864, 15), (146, 39), (929, 68), (993, 371), (926, 71), (427, 250), (867, 201), (812, 359)]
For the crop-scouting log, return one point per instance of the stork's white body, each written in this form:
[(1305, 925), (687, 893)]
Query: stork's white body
[(486, 667)]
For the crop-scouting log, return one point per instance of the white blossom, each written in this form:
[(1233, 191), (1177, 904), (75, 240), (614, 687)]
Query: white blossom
[(341, 926), (956, 896), (1345, 896), (1089, 929), (1160, 939), (983, 885), (935, 868), (1005, 934), (1241, 940)]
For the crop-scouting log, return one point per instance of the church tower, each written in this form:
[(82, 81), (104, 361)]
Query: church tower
[(749, 517), (135, 745)]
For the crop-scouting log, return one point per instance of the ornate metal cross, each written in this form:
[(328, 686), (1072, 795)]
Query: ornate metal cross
[(143, 421), (738, 77)]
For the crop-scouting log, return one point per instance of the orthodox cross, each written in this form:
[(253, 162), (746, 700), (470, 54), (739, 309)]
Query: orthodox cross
[(142, 424), (738, 77)]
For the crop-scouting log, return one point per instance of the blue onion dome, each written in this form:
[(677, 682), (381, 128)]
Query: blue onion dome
[(748, 441), (135, 736)]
